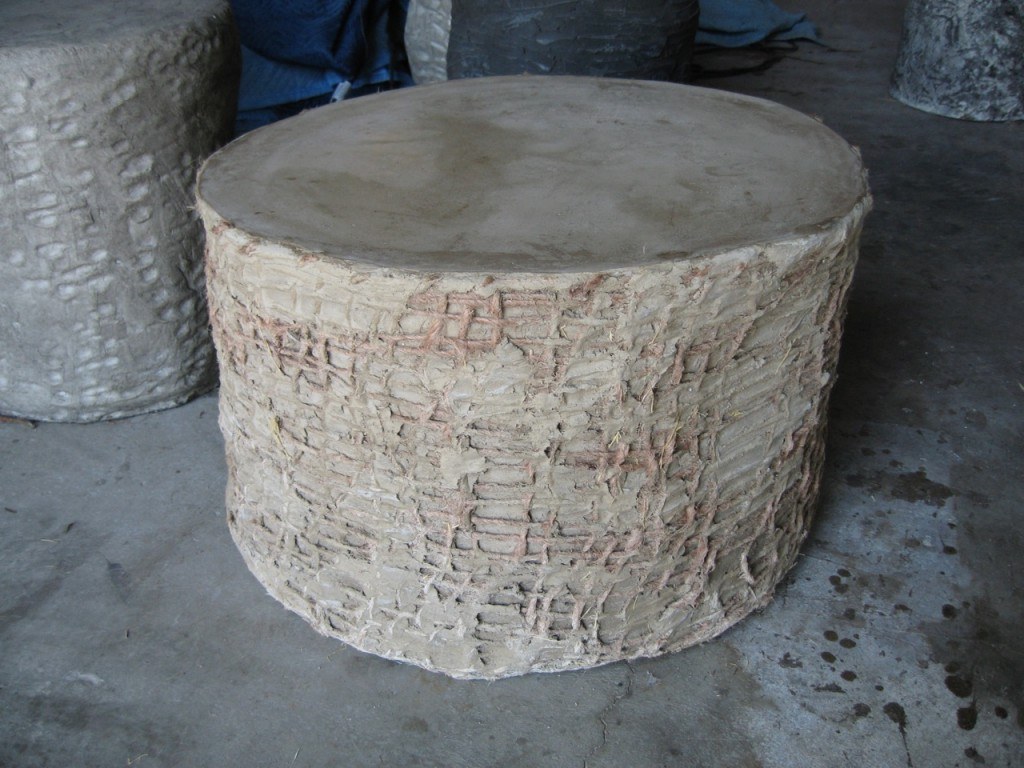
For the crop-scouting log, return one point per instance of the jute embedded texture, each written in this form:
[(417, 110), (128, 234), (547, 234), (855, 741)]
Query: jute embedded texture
[(496, 472), (106, 111)]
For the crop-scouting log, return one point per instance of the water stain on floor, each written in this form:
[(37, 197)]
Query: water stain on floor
[(905, 486), (982, 665)]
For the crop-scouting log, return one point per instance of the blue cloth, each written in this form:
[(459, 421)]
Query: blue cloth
[(298, 54), (268, 83), (736, 23)]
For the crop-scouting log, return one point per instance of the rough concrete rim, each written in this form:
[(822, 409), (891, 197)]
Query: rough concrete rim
[(268, 164)]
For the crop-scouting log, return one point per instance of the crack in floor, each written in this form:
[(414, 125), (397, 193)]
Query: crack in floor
[(603, 714)]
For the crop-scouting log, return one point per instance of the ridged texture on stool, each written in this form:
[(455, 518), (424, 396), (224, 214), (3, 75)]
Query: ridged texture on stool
[(102, 312), (427, 29), (500, 471)]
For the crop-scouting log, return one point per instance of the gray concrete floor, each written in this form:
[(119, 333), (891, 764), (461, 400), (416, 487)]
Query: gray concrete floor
[(132, 634)]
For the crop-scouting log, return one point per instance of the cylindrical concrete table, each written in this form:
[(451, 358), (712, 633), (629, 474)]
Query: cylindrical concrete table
[(107, 109), (528, 374), (963, 59)]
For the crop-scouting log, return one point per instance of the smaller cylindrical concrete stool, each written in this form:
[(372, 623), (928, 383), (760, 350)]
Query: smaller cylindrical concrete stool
[(525, 374), (106, 111), (963, 59)]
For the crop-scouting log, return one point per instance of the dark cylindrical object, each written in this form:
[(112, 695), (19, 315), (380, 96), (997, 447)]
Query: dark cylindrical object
[(649, 40)]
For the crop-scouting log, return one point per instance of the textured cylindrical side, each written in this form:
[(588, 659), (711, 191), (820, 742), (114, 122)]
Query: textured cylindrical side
[(468, 38), (428, 27), (102, 313), (963, 59), (493, 474)]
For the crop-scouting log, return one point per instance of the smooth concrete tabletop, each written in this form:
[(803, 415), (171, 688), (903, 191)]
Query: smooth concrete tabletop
[(535, 174), (75, 23)]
